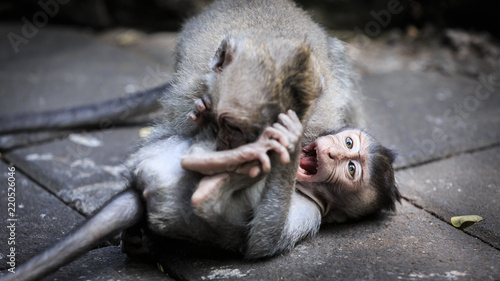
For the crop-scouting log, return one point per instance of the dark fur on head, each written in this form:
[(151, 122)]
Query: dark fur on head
[(294, 84), (299, 82), (382, 176)]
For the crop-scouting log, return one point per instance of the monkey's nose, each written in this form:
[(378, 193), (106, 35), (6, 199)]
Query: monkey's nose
[(334, 153)]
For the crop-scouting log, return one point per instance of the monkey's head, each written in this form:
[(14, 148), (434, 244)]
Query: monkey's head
[(253, 79), (349, 175)]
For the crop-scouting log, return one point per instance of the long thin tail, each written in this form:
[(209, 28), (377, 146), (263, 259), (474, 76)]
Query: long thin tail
[(117, 111), (121, 212)]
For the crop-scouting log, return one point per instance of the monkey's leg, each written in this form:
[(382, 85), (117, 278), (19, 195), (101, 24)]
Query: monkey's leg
[(123, 211), (205, 199)]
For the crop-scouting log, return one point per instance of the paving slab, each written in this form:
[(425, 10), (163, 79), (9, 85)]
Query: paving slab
[(62, 67), (108, 263), (84, 170), (42, 219), (426, 116), (468, 184), (410, 245)]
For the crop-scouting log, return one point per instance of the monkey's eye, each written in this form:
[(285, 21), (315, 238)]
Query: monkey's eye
[(352, 169), (349, 142), (232, 127)]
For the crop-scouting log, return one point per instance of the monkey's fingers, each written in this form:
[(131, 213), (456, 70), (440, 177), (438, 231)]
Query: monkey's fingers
[(275, 134), (278, 148), (290, 135), (193, 115), (264, 161), (196, 117), (200, 105), (293, 116), (293, 139), (254, 172), (251, 168), (207, 101), (291, 122)]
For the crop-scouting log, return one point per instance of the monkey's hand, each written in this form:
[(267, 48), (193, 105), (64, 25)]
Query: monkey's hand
[(290, 126), (283, 137), (287, 131), (202, 106), (241, 160)]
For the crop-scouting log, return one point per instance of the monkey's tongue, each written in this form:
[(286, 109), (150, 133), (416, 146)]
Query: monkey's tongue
[(309, 164)]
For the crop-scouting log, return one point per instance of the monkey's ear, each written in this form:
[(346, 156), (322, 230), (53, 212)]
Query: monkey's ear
[(300, 80), (224, 55)]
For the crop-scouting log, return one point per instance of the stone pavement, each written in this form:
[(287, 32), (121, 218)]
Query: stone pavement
[(446, 130)]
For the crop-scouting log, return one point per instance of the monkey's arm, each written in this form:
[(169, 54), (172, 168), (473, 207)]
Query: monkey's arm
[(270, 229), (240, 160)]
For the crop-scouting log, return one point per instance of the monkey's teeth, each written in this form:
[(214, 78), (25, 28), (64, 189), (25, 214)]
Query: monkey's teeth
[(303, 171)]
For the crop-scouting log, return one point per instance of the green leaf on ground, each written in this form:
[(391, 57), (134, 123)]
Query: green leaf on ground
[(465, 221)]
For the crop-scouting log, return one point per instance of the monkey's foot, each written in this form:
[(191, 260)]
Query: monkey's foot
[(131, 243), (203, 105)]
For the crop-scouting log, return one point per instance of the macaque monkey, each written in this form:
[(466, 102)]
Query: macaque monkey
[(269, 57), (347, 174), (251, 41), (168, 195), (340, 176)]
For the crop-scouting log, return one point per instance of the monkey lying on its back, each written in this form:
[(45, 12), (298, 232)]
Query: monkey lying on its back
[(347, 173), (341, 176)]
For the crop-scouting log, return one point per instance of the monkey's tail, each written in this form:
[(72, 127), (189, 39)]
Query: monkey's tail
[(104, 114), (121, 212)]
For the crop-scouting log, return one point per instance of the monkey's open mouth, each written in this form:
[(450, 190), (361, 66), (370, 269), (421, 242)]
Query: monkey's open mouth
[(309, 160)]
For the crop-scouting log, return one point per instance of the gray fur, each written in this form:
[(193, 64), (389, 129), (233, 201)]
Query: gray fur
[(202, 35)]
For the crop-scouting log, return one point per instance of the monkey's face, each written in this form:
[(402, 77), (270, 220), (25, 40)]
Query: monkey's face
[(335, 174), (341, 158), (233, 132), (246, 102), (239, 110), (348, 175), (255, 79)]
